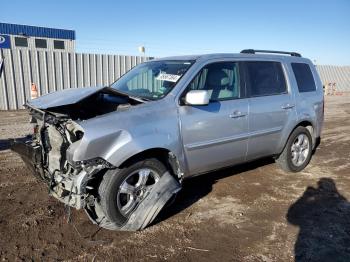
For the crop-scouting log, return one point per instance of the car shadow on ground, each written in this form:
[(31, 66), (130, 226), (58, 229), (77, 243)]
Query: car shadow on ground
[(323, 217), (196, 188)]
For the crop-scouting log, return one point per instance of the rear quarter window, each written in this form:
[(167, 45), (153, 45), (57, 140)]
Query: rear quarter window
[(265, 78), (304, 77)]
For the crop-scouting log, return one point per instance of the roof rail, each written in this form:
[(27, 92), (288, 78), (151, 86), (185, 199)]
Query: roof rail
[(253, 51)]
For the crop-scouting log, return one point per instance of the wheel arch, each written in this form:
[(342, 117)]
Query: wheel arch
[(164, 155), (284, 157), (304, 123), (310, 127)]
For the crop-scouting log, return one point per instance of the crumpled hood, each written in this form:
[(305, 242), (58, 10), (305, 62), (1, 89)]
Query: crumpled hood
[(64, 97)]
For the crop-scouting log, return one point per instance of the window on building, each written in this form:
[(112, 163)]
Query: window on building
[(304, 77), (40, 43), (21, 41), (266, 78), (58, 44)]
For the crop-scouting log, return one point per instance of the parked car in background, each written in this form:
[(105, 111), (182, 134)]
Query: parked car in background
[(104, 148)]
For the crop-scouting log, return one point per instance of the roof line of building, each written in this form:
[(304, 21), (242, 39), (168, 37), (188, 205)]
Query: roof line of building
[(36, 31)]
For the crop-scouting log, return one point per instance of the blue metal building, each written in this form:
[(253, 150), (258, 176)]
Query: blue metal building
[(14, 36)]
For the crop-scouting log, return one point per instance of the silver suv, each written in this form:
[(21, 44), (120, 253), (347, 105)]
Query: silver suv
[(121, 151)]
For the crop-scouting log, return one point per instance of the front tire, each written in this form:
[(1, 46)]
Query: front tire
[(297, 153), (121, 190)]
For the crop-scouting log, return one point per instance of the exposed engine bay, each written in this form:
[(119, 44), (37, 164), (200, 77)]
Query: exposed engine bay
[(56, 129), (105, 101), (58, 135)]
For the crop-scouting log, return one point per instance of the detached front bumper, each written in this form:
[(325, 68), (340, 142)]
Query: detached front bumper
[(31, 154), (67, 189)]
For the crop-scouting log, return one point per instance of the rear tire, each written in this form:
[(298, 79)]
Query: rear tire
[(122, 189), (297, 152)]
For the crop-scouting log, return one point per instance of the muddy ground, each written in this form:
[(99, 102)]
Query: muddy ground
[(253, 212)]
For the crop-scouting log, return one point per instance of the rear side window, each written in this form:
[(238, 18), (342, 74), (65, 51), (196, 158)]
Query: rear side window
[(304, 77), (265, 78)]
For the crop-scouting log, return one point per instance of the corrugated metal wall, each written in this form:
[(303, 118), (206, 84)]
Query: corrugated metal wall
[(52, 71), (340, 75)]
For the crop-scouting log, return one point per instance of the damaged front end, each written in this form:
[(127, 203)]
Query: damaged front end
[(56, 138), (48, 153)]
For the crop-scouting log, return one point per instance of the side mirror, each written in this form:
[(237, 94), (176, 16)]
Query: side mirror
[(197, 97)]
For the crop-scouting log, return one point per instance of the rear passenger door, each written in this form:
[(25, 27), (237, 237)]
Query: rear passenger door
[(271, 107)]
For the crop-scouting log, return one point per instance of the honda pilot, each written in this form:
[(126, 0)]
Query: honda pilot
[(108, 149)]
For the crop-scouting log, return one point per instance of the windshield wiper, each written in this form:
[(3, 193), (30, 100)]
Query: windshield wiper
[(137, 98)]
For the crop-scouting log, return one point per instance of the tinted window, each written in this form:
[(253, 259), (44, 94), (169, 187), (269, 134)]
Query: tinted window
[(304, 77), (266, 78), (57, 44), (40, 43), (220, 79), (21, 41)]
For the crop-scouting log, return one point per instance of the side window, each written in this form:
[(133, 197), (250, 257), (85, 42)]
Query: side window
[(266, 78), (220, 79), (304, 77)]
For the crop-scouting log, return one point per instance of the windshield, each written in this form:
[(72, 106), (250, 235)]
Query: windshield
[(152, 80)]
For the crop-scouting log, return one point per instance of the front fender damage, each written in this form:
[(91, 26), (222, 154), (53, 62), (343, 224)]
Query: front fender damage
[(145, 212), (77, 189), (50, 155)]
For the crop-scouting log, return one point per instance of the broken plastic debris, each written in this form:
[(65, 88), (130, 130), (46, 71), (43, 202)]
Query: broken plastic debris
[(148, 209)]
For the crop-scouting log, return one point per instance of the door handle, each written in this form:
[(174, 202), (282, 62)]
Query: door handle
[(237, 114), (287, 106)]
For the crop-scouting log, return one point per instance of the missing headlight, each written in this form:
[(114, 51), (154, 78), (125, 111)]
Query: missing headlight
[(94, 162)]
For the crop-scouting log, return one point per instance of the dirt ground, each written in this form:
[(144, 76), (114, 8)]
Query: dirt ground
[(252, 212)]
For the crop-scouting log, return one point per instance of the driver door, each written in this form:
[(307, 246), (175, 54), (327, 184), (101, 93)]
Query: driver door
[(216, 135)]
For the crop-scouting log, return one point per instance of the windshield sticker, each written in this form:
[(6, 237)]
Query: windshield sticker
[(168, 77)]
